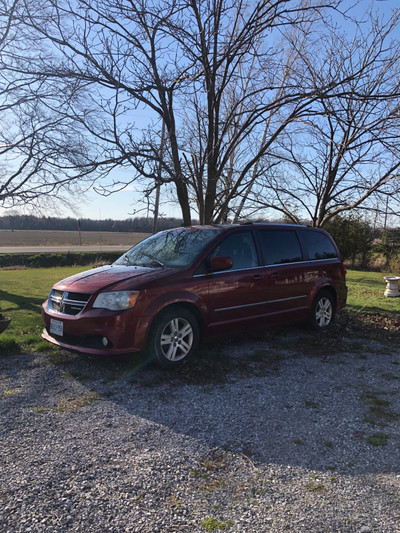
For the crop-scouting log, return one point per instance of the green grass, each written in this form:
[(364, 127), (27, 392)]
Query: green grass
[(377, 439), (21, 296), (368, 310), (317, 488), (366, 293), (23, 292), (211, 524), (380, 412)]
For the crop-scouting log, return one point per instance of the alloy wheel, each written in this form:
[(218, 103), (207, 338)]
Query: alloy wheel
[(176, 339)]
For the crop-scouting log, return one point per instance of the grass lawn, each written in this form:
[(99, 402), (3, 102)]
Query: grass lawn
[(366, 294), (23, 291)]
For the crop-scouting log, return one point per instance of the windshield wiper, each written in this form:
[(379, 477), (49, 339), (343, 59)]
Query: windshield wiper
[(154, 259)]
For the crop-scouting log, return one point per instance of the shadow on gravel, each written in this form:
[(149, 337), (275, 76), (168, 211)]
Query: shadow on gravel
[(286, 397)]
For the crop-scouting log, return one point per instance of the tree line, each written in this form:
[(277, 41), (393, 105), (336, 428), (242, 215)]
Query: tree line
[(137, 224), (360, 242), (229, 108)]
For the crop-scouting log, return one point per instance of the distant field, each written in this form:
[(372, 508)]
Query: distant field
[(67, 238)]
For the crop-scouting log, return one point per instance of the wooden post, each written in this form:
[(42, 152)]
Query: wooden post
[(79, 231)]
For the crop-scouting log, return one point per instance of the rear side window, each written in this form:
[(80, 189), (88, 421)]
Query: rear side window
[(280, 246), (317, 245)]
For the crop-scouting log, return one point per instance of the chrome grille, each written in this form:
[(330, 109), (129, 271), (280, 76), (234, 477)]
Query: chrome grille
[(68, 303)]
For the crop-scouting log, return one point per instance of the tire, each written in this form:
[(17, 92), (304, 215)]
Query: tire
[(174, 337), (323, 311)]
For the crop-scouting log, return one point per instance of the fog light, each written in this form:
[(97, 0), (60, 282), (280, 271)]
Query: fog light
[(104, 340)]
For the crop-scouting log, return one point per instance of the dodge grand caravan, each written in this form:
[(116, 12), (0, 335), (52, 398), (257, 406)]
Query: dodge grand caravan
[(184, 284)]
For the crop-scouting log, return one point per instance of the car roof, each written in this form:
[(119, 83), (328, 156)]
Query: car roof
[(255, 224), (232, 227)]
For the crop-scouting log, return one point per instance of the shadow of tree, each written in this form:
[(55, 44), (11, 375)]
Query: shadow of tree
[(21, 302), (283, 407)]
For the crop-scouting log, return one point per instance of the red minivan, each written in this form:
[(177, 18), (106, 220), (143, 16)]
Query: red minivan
[(181, 285)]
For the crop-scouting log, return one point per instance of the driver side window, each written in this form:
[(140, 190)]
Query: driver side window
[(240, 248)]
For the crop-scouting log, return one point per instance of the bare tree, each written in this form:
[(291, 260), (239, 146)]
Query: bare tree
[(248, 99), (7, 10), (255, 112), (215, 62), (41, 147), (345, 151)]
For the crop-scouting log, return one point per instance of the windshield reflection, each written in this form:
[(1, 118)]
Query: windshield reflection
[(176, 248)]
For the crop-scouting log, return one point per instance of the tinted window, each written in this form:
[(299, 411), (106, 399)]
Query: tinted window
[(280, 246), (240, 248), (317, 245)]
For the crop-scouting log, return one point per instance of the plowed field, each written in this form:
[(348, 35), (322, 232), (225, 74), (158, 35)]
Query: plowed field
[(66, 238)]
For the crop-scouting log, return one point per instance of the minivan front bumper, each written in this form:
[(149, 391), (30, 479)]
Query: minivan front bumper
[(97, 331)]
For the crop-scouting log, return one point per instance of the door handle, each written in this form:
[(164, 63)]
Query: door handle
[(274, 275), (257, 277)]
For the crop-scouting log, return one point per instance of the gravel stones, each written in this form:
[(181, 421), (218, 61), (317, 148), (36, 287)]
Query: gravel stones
[(87, 446)]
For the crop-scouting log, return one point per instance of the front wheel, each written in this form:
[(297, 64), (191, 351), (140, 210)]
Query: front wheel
[(323, 310), (174, 337)]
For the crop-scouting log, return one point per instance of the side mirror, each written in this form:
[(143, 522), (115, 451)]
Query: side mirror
[(220, 262)]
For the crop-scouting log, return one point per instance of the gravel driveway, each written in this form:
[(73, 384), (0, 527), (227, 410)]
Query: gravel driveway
[(285, 432)]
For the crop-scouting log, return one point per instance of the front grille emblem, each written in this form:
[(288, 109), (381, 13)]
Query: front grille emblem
[(62, 302), (68, 303)]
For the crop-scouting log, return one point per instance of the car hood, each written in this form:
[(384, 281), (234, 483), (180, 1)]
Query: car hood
[(111, 276)]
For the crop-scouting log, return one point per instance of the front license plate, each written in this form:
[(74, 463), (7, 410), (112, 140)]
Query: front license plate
[(56, 327)]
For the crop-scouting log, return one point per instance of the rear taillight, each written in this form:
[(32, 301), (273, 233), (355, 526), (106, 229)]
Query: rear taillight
[(344, 271)]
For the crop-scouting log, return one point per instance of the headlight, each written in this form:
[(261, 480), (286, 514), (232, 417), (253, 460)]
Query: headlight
[(116, 300)]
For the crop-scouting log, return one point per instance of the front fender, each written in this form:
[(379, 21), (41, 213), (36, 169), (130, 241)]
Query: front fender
[(158, 304)]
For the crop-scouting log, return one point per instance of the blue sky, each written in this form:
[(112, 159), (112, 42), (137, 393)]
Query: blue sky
[(117, 206), (123, 204)]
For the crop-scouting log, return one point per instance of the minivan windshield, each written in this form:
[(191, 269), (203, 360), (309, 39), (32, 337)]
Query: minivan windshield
[(175, 248)]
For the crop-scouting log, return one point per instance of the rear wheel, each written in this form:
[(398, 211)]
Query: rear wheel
[(174, 337), (323, 310)]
